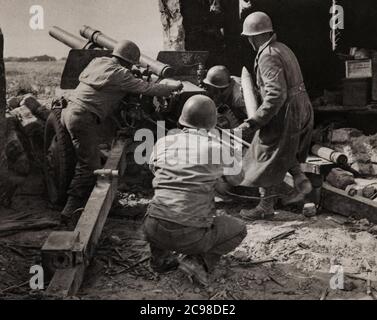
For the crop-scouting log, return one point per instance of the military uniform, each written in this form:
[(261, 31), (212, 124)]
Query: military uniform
[(103, 84), (182, 216), (284, 119), (231, 105)]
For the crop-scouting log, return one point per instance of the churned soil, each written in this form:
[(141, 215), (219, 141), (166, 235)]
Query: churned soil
[(287, 257)]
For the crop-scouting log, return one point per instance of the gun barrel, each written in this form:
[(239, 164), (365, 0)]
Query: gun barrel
[(102, 40), (97, 37), (69, 39)]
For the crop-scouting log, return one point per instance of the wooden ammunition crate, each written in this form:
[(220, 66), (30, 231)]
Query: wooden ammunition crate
[(356, 92), (356, 69)]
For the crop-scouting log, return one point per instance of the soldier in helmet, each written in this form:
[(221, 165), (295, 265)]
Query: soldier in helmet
[(226, 92), (283, 122), (182, 216), (103, 84)]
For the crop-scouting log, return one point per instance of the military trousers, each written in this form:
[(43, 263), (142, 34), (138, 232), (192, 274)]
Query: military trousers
[(83, 127), (208, 244)]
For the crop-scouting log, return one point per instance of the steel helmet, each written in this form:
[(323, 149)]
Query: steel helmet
[(257, 23), (199, 112), (218, 77), (128, 51)]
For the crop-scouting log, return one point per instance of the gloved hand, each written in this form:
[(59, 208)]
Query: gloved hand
[(173, 85), (249, 124), (245, 125), (177, 86)]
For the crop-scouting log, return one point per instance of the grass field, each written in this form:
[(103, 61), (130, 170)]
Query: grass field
[(40, 78)]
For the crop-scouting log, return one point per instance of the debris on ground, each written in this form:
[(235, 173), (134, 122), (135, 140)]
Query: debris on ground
[(287, 257)]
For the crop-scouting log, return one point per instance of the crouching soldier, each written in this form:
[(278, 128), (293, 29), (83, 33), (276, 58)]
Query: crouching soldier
[(182, 215), (226, 92), (103, 84)]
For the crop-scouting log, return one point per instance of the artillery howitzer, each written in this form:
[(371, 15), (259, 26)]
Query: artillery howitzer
[(65, 255), (133, 111)]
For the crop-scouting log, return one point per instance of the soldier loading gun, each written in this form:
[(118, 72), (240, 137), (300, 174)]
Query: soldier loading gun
[(103, 84), (226, 92)]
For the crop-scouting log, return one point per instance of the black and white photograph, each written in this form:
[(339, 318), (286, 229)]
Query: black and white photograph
[(211, 152)]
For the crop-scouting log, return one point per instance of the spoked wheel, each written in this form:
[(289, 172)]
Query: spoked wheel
[(59, 159)]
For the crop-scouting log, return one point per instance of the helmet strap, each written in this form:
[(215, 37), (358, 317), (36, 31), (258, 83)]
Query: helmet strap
[(252, 42)]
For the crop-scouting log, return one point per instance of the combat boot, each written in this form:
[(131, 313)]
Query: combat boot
[(195, 270), (301, 182), (302, 187), (164, 266), (265, 208), (162, 260), (293, 197)]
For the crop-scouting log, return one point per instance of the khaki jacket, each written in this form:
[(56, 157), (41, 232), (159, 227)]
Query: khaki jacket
[(284, 118), (187, 167), (104, 83)]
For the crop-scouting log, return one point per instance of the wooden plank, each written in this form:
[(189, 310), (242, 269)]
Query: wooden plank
[(99, 204), (317, 165), (67, 281), (93, 219), (19, 226), (338, 201), (57, 251), (369, 109)]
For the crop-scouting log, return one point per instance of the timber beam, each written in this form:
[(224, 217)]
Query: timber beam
[(338, 201), (66, 254), (333, 199)]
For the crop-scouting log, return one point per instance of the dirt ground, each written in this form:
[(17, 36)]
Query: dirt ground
[(299, 266), (301, 261)]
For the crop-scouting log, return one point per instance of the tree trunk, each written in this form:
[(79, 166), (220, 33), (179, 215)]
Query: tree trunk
[(2, 94), (172, 23), (3, 163), (207, 25)]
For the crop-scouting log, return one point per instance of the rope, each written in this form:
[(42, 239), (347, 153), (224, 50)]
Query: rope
[(246, 144), (254, 198)]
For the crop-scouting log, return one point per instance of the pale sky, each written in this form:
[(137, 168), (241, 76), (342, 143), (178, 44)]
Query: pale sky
[(136, 20)]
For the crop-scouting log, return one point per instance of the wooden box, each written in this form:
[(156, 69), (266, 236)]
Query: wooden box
[(356, 92), (356, 69)]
